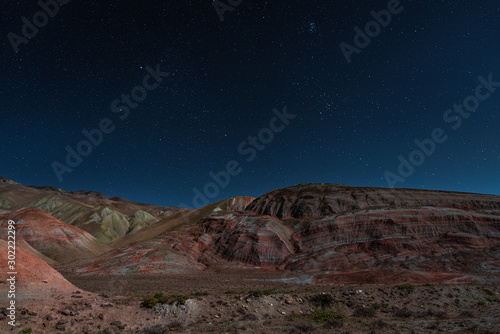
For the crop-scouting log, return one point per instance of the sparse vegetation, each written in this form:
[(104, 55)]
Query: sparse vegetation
[(322, 300), (231, 292), (378, 306), (159, 298), (149, 302), (27, 331), (409, 288), (403, 313), (467, 314), (365, 312), (433, 313), (260, 293), (200, 293), (154, 330), (488, 292), (328, 315), (302, 329), (321, 315), (177, 299)]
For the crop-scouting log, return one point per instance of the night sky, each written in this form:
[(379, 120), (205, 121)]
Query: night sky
[(272, 70)]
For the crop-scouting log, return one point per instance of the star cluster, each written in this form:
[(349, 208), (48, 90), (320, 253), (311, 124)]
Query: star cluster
[(225, 78)]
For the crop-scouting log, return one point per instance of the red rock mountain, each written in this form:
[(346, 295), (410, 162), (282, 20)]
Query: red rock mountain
[(330, 233), (54, 239), (329, 230), (106, 218), (165, 247), (35, 278)]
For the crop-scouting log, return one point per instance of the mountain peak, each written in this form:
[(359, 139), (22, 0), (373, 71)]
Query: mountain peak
[(6, 180)]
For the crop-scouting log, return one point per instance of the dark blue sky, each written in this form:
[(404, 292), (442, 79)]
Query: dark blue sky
[(353, 120)]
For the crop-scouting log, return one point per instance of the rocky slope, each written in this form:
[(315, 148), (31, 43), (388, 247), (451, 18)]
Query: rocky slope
[(322, 230), (35, 278), (163, 248), (319, 200), (325, 230), (342, 228), (56, 240), (220, 254), (106, 218)]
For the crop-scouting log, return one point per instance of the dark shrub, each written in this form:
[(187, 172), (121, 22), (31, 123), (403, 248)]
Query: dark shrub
[(302, 329), (200, 293), (149, 302), (377, 306), (403, 313), (406, 287), (260, 293), (321, 300), (154, 330), (365, 312)]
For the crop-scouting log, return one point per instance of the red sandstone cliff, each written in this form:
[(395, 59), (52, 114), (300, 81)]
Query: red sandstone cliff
[(323, 229)]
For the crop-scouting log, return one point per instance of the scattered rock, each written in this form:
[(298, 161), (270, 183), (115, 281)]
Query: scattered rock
[(66, 312), (61, 324)]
